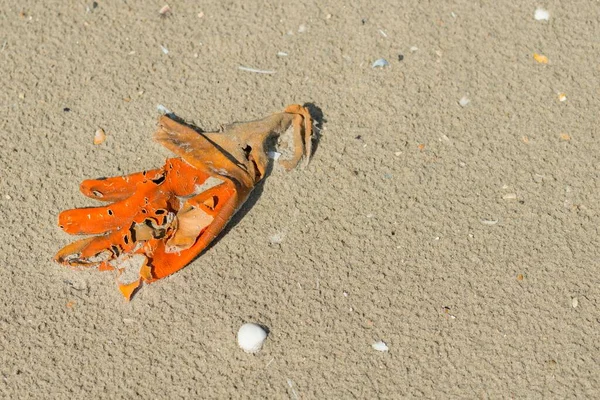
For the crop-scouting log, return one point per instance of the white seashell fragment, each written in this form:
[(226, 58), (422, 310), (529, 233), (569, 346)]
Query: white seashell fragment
[(274, 155), (489, 221), (164, 49), (464, 101), (380, 346), (541, 15), (251, 337), (382, 62), (256, 71), (162, 109)]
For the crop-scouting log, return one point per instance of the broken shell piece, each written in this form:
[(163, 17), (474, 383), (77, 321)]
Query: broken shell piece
[(251, 337), (542, 59), (562, 97), (274, 155), (99, 136), (380, 346), (489, 221), (464, 101), (541, 15), (162, 109), (256, 70), (382, 62)]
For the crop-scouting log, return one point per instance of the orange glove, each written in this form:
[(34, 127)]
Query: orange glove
[(160, 220)]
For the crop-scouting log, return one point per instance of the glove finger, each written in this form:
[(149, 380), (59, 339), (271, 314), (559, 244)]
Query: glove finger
[(117, 188), (145, 202)]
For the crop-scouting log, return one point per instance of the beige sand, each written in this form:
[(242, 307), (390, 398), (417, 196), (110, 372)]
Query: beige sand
[(389, 234)]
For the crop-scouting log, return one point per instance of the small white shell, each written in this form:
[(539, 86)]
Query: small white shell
[(251, 337), (382, 62), (464, 101), (541, 15), (380, 346)]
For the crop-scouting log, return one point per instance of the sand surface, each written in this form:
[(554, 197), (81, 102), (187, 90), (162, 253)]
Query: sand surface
[(466, 238)]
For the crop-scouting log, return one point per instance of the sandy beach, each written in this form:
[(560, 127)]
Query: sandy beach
[(450, 210)]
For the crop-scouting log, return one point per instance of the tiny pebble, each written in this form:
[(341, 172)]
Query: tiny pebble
[(165, 10), (99, 136), (510, 196), (7, 196), (382, 62), (282, 54), (200, 14), (575, 302), (251, 337), (413, 49), (277, 238), (302, 28), (380, 346), (541, 15), (562, 97), (565, 136), (164, 49), (464, 101)]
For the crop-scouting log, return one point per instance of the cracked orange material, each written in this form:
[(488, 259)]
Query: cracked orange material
[(158, 221)]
